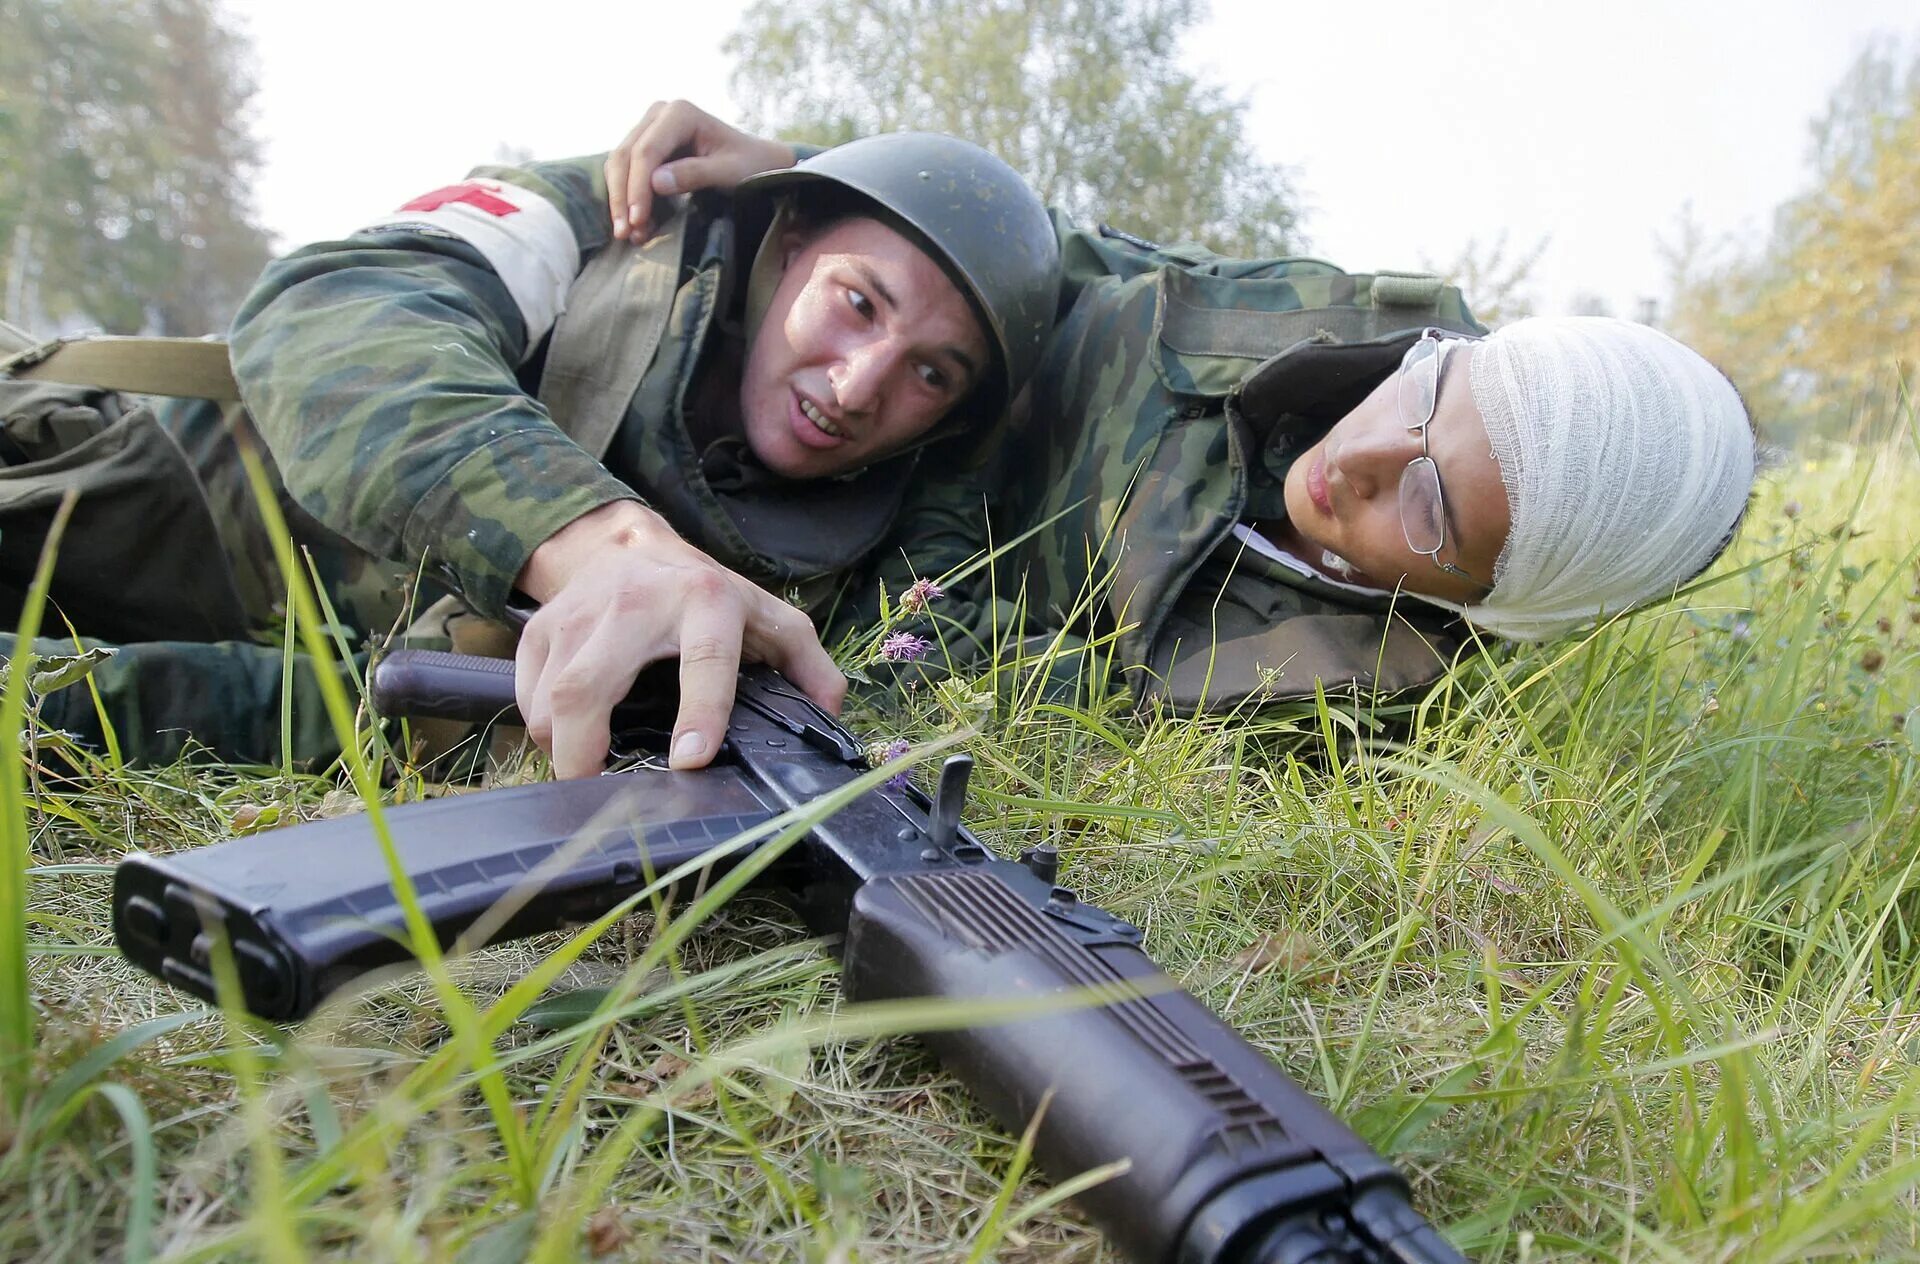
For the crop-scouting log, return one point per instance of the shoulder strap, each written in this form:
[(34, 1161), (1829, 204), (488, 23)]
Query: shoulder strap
[(1254, 318), (192, 368), (605, 340)]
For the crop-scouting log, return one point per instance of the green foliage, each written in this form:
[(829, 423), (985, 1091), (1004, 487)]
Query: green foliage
[(124, 162), (1812, 325), (16, 1004), (1085, 98), (1613, 947)]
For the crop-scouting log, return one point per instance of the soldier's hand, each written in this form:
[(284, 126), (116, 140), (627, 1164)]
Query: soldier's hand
[(678, 148), (619, 590)]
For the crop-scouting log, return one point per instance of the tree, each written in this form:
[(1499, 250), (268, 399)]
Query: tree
[(1084, 97), (1819, 325), (124, 163), (1497, 281)]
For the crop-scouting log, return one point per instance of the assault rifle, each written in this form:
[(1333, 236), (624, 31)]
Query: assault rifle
[(1228, 1161)]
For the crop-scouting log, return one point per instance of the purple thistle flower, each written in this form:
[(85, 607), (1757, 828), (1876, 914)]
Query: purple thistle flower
[(904, 647), (894, 750), (923, 594)]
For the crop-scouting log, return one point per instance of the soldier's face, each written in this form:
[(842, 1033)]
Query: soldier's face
[(1343, 494), (865, 346)]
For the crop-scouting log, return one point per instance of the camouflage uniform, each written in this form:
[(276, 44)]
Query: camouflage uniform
[(1176, 392), (392, 377), (392, 374)]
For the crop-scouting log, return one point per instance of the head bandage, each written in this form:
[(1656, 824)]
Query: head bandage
[(1627, 459)]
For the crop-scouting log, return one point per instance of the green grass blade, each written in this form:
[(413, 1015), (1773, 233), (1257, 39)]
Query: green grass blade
[(16, 1001)]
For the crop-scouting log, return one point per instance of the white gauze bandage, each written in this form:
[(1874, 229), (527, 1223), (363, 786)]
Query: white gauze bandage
[(1627, 459)]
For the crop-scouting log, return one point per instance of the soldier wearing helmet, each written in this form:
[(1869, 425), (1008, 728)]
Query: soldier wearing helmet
[(652, 439), (1244, 459)]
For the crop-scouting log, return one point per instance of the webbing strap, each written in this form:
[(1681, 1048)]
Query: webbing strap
[(1194, 329), (1194, 321), (1257, 335), (191, 368), (605, 340), (1407, 289)]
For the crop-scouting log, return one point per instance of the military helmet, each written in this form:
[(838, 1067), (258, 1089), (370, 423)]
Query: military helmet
[(969, 211)]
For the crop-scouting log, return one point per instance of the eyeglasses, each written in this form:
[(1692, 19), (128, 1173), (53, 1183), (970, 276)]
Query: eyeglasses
[(1423, 508)]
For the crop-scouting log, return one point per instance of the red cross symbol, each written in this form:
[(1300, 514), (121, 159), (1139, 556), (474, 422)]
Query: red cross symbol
[(477, 196)]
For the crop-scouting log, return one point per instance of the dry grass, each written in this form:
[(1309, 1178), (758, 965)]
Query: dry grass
[(1614, 954)]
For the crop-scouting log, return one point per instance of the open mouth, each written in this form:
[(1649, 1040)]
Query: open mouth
[(819, 419)]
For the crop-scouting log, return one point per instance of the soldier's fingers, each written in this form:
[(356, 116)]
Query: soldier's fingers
[(618, 165), (582, 696), (710, 638), (676, 129), (638, 191), (689, 174), (616, 171), (529, 662), (784, 638)]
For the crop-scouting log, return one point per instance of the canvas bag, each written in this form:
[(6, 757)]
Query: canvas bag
[(141, 559)]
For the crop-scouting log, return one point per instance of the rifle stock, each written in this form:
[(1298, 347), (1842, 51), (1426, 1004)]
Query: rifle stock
[(1227, 1160)]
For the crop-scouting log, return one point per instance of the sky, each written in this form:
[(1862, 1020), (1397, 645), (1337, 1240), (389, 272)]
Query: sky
[(1412, 128)]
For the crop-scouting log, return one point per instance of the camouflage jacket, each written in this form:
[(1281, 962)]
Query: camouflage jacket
[(402, 379), (398, 379), (1173, 397)]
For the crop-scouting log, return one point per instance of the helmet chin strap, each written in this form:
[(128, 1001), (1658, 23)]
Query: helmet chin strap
[(764, 276)]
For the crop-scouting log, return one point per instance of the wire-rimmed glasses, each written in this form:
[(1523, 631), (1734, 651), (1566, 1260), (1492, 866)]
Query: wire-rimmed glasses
[(1423, 506)]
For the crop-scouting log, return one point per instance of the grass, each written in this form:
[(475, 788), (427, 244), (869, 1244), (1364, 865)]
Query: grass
[(1615, 954)]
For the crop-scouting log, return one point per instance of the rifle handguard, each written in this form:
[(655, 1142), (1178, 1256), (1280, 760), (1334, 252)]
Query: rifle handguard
[(1228, 1159)]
